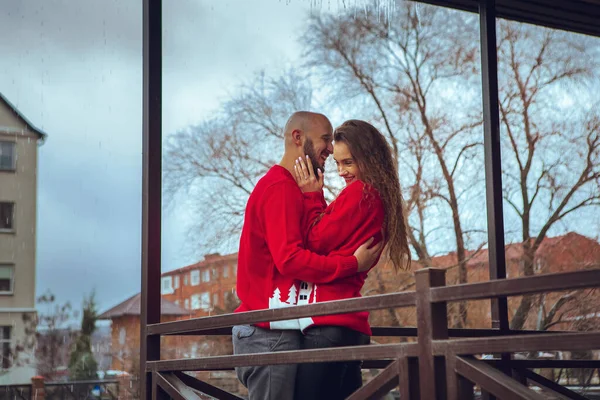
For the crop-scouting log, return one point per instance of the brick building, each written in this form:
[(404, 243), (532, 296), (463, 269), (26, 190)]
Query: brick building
[(206, 287), (125, 330), (569, 252)]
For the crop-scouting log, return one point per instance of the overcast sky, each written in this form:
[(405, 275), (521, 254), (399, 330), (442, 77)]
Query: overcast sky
[(74, 68)]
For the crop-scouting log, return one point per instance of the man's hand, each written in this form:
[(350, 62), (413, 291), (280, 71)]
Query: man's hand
[(304, 174), (366, 256)]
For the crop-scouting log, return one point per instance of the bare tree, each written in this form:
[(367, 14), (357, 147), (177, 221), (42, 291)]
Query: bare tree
[(402, 69), (54, 336), (217, 162), (417, 78), (539, 67)]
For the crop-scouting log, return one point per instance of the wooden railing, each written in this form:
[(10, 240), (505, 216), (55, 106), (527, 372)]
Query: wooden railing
[(436, 366)]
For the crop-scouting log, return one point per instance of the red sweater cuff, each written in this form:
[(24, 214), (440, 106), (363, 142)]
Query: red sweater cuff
[(350, 264), (313, 195)]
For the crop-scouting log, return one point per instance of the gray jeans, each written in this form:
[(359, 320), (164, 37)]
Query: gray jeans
[(270, 382)]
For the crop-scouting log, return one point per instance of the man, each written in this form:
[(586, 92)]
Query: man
[(272, 258)]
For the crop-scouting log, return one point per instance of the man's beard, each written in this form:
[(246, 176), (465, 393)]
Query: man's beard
[(309, 150)]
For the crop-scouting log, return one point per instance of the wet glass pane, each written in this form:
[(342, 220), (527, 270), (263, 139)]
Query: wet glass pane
[(405, 69), (551, 164), (70, 183)]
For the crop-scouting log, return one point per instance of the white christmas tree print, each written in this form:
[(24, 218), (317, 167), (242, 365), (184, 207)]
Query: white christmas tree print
[(292, 295), (275, 301)]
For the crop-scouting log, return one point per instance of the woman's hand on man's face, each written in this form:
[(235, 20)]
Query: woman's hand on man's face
[(304, 174)]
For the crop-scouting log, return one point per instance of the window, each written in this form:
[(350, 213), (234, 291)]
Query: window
[(176, 282), (187, 304), (226, 272), (215, 299), (5, 346), (6, 278), (177, 302), (205, 301), (185, 280), (206, 275), (7, 156), (6, 216), (195, 301), (201, 300), (167, 285), (195, 277), (122, 336), (215, 273)]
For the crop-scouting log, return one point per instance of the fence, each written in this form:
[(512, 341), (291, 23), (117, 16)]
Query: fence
[(121, 388), (440, 365)]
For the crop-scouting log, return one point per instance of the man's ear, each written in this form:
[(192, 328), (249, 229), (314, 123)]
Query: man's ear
[(297, 137)]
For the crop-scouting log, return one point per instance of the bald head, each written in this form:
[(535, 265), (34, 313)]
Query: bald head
[(306, 122), (308, 134)]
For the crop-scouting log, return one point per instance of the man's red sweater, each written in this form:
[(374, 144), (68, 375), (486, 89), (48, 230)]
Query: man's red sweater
[(349, 221), (272, 256)]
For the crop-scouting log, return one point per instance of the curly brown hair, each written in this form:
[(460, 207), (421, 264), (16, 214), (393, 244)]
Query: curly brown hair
[(379, 169)]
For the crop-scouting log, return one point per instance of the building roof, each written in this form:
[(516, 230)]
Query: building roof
[(42, 135), (132, 306), (209, 260)]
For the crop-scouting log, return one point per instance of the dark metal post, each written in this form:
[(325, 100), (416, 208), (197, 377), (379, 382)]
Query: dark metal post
[(493, 162), (151, 190)]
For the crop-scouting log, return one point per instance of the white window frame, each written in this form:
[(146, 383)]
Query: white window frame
[(176, 282), (206, 275), (195, 302), (185, 280), (12, 279), (195, 277), (226, 271), (215, 298), (205, 301), (166, 285), (186, 304), (13, 167)]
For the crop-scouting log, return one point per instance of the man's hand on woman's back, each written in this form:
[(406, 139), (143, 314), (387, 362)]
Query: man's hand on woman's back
[(366, 256)]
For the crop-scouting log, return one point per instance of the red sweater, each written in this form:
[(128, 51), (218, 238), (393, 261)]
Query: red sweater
[(350, 220), (272, 256)]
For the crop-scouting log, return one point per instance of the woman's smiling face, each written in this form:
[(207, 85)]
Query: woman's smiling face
[(346, 164)]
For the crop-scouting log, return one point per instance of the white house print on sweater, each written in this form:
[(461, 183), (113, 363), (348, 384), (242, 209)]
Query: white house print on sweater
[(306, 289)]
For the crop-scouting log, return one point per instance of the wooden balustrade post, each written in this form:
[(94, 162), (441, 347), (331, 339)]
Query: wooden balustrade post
[(432, 324)]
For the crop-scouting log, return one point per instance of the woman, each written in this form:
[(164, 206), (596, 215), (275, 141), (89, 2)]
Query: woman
[(370, 204)]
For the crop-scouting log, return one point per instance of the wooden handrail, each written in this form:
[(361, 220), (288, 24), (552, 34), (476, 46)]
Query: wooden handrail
[(401, 299), (518, 286)]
